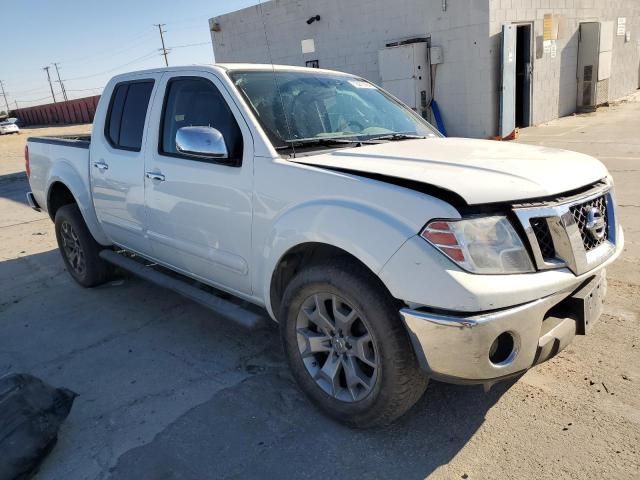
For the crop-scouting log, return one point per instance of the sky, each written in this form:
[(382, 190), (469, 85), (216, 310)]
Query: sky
[(91, 41)]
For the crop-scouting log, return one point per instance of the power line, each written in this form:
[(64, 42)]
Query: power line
[(64, 93), (190, 45), (4, 95), (19, 92), (34, 100), (132, 42), (83, 89), (164, 49), (46, 69), (144, 57)]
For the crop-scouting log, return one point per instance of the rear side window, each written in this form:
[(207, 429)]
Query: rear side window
[(127, 113), (193, 101)]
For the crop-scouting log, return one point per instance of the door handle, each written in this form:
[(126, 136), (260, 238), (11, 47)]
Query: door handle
[(101, 165), (155, 176)]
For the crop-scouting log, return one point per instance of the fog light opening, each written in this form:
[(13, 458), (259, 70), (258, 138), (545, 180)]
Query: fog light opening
[(502, 349)]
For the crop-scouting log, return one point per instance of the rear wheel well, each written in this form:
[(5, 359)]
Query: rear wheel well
[(301, 256), (59, 196)]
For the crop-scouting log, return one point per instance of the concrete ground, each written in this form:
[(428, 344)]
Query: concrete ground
[(12, 146), (167, 390)]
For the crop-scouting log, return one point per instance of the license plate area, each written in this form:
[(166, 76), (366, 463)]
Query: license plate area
[(587, 304)]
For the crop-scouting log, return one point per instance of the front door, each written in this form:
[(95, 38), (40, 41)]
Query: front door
[(117, 163), (199, 210)]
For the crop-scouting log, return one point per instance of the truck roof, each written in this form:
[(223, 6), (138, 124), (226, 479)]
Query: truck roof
[(267, 67)]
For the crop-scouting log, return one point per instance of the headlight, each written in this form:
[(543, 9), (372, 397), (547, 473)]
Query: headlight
[(480, 245)]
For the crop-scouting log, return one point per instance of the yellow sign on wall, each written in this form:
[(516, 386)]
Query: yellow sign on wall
[(550, 27)]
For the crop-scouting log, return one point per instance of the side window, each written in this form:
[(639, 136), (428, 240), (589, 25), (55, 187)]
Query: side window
[(127, 113), (194, 101), (115, 113)]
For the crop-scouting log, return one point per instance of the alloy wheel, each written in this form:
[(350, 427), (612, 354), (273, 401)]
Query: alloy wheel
[(72, 248), (337, 347)]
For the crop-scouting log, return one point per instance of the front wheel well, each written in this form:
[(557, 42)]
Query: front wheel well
[(59, 196), (301, 256)]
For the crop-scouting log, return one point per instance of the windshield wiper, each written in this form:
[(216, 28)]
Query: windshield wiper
[(321, 142), (397, 136)]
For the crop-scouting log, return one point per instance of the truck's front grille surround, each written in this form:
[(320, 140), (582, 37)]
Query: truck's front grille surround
[(558, 233)]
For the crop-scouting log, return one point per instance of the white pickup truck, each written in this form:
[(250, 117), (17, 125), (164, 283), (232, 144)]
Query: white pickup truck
[(388, 254)]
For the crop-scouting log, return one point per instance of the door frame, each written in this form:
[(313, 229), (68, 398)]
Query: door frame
[(502, 125), (532, 42), (580, 106)]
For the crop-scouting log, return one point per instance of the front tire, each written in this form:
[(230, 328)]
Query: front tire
[(79, 249), (346, 345)]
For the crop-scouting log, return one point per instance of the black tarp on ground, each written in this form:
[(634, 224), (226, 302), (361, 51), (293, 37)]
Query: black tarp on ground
[(31, 412)]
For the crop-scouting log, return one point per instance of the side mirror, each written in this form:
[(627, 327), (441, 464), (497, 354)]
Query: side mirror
[(201, 142)]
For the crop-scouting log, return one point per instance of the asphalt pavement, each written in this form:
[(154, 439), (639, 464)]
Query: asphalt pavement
[(168, 390)]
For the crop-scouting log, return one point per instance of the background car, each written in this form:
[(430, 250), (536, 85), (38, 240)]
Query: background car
[(9, 126)]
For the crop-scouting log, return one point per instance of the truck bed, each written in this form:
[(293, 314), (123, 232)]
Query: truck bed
[(78, 141), (54, 157)]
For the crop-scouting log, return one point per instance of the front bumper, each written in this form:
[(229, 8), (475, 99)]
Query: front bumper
[(456, 348)]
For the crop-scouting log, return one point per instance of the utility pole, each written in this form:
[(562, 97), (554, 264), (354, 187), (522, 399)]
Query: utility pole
[(64, 92), (46, 69), (17, 106), (5, 96), (164, 49)]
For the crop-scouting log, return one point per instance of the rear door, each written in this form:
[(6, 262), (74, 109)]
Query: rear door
[(117, 163), (200, 210)]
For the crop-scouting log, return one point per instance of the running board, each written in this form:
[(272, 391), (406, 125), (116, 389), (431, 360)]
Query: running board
[(228, 309)]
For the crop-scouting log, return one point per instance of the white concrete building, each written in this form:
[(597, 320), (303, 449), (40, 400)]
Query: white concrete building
[(554, 57)]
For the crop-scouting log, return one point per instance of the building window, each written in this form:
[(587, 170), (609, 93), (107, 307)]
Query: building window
[(312, 63)]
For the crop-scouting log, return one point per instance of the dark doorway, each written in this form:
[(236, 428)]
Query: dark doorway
[(523, 75)]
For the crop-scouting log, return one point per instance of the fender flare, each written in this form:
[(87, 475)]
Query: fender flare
[(65, 173), (353, 227)]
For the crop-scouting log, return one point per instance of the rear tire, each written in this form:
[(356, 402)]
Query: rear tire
[(79, 249), (364, 336)]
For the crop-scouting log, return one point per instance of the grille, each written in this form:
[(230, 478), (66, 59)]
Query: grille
[(580, 213), (542, 233)]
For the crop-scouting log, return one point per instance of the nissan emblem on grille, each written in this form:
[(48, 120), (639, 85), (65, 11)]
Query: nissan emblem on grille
[(595, 223), (592, 220)]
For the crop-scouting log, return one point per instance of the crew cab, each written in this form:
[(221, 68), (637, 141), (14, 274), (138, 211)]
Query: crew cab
[(388, 254)]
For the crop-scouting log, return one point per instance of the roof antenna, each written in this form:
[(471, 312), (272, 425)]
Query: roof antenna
[(275, 79)]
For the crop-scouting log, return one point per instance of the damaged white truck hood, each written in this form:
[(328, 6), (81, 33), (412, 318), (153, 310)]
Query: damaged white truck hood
[(480, 171)]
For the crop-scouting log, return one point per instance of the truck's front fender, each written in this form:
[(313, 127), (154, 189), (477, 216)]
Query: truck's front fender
[(366, 233), (64, 172)]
